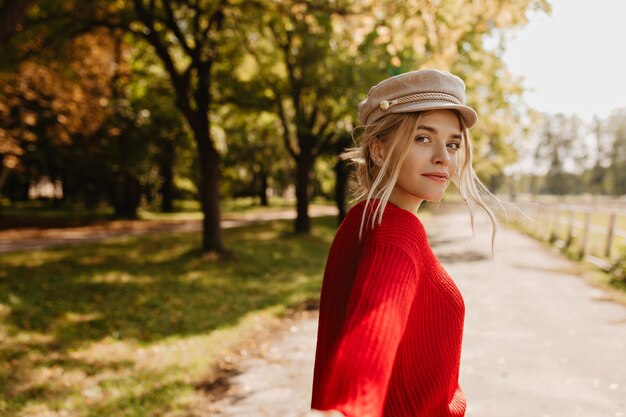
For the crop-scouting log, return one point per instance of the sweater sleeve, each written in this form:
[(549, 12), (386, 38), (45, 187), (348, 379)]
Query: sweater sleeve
[(358, 373)]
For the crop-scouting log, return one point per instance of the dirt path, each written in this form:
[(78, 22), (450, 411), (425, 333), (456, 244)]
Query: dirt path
[(538, 340), (32, 239)]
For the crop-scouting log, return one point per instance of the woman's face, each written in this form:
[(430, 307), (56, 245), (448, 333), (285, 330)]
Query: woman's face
[(431, 161)]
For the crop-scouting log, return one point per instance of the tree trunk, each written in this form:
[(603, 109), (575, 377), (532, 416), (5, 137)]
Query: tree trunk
[(209, 193), (304, 165), (127, 196), (4, 174), (341, 182), (12, 14), (91, 199), (263, 188), (194, 100), (167, 177), (342, 172)]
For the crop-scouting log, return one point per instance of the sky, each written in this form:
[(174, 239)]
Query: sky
[(573, 60)]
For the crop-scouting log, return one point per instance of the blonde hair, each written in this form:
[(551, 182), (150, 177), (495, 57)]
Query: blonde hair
[(377, 182)]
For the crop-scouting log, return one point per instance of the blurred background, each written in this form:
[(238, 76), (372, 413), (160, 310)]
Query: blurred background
[(174, 139)]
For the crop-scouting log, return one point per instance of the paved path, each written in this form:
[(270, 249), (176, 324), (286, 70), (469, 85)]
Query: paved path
[(539, 341), (33, 239)]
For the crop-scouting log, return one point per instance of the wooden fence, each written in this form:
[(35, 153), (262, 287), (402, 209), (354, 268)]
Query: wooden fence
[(595, 234)]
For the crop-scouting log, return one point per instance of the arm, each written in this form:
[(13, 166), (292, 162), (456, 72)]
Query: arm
[(357, 376)]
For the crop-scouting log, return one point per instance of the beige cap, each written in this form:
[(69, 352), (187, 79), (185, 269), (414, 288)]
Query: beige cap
[(426, 89)]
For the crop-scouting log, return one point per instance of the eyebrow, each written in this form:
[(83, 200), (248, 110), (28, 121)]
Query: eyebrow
[(434, 131)]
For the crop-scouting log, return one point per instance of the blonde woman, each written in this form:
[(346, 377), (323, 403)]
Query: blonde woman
[(391, 318)]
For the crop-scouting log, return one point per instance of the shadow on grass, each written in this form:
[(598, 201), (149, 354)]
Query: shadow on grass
[(141, 289), (149, 288), (140, 404)]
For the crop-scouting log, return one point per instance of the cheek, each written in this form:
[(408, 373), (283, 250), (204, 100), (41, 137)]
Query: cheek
[(454, 163), (408, 165), (418, 158)]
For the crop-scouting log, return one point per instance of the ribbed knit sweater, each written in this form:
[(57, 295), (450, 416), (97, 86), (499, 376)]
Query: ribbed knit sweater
[(390, 324)]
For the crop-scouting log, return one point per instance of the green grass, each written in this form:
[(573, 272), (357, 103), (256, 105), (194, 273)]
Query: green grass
[(616, 285), (128, 327)]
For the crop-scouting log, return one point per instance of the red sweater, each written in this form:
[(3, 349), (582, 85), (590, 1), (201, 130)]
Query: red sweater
[(390, 324)]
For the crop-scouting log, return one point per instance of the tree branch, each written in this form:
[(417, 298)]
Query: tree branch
[(257, 58), (325, 144), (283, 120), (196, 18), (12, 14), (285, 46), (179, 82), (216, 21), (173, 25), (313, 117)]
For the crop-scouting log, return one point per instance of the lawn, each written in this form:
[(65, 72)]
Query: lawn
[(132, 326)]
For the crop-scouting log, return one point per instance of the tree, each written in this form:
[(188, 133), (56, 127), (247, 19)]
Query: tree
[(139, 141), (46, 104), (594, 178), (306, 78), (342, 172), (318, 59), (12, 13), (254, 154), (96, 116), (185, 36), (562, 152), (616, 172), (162, 131), (311, 61)]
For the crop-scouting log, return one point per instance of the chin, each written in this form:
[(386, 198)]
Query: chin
[(433, 198)]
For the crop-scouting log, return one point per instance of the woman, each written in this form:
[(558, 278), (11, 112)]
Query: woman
[(391, 318)]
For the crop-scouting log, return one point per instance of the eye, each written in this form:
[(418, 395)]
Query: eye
[(422, 138), (454, 145)]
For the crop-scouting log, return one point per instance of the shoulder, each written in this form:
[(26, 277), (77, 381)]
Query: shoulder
[(399, 228)]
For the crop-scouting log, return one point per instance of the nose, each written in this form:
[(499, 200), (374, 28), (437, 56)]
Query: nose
[(441, 155)]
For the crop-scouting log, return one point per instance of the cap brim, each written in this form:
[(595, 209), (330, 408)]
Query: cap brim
[(467, 113)]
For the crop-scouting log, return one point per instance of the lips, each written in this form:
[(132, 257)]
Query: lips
[(441, 177)]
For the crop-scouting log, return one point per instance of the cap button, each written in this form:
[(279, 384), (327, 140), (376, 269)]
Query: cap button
[(384, 104)]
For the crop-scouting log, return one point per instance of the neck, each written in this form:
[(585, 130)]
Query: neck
[(405, 201)]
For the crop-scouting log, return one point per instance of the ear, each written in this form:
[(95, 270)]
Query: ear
[(377, 150)]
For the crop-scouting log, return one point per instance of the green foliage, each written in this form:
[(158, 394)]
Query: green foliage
[(254, 156), (143, 137), (619, 267), (113, 148), (318, 62), (324, 184), (286, 73)]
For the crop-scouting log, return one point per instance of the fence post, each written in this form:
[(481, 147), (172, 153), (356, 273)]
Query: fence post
[(570, 227), (545, 221), (609, 236), (545, 232), (554, 229), (583, 248)]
